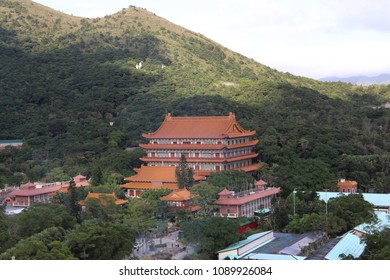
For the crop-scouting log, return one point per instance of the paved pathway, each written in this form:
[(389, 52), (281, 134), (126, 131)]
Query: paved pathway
[(174, 248)]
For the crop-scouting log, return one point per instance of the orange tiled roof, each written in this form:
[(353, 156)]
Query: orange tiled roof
[(248, 156), (149, 186), (249, 168), (179, 195), (161, 174), (347, 184), (198, 146), (195, 208), (154, 174), (199, 127), (103, 198)]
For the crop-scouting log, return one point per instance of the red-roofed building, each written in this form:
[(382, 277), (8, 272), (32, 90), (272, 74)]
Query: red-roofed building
[(41, 192), (244, 204), (26, 196), (81, 181), (11, 143), (210, 144), (27, 186), (347, 186), (153, 178)]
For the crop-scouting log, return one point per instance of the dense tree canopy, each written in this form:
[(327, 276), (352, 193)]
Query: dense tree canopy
[(351, 208), (41, 216), (46, 245), (211, 234), (98, 240), (234, 180), (377, 245)]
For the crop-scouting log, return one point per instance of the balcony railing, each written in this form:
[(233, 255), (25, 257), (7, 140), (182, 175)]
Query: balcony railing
[(226, 215)]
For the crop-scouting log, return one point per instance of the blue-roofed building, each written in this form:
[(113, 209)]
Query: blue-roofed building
[(350, 244), (238, 249), (274, 257), (367, 228), (381, 201), (270, 246), (11, 143), (288, 246)]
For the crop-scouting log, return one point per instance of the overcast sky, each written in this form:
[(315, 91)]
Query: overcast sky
[(312, 38)]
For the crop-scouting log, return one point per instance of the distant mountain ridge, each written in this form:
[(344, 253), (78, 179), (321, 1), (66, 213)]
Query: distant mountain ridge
[(382, 79)]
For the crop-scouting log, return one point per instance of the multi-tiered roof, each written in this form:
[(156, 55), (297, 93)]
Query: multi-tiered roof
[(199, 127), (210, 144)]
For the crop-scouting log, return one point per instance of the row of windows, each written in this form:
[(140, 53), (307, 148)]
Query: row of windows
[(41, 197), (249, 208), (208, 166), (176, 154), (352, 190), (200, 141)]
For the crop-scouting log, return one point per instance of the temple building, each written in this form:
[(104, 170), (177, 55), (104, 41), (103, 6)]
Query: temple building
[(181, 199), (210, 144), (101, 199), (153, 178)]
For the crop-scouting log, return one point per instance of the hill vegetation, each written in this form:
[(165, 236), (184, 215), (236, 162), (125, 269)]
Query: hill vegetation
[(70, 89)]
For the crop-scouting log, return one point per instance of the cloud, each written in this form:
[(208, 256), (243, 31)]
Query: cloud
[(363, 14)]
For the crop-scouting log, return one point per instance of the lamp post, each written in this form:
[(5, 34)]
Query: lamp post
[(326, 209), (326, 202), (294, 199)]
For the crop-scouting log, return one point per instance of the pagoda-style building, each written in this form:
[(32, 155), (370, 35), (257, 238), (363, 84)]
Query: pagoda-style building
[(210, 144), (102, 199), (181, 199)]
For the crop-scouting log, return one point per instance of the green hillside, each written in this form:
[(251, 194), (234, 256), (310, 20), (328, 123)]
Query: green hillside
[(65, 78)]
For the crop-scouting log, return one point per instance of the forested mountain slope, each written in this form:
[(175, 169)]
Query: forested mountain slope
[(65, 78)]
